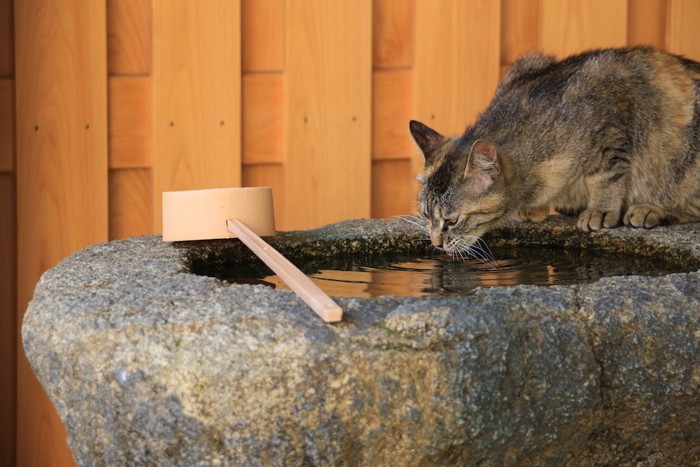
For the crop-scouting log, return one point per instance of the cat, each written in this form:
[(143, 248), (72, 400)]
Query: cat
[(611, 134)]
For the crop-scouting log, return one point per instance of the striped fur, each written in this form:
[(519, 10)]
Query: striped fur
[(613, 135)]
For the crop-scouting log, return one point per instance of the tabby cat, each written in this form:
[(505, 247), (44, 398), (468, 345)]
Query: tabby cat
[(609, 134)]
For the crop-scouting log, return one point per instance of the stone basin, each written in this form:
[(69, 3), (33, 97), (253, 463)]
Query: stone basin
[(149, 363)]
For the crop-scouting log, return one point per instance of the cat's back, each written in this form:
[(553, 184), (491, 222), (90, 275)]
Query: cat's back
[(603, 72), (638, 106)]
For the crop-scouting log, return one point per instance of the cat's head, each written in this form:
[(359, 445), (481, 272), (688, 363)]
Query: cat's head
[(463, 191)]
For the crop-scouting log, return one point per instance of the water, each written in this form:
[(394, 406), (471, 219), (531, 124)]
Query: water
[(444, 275)]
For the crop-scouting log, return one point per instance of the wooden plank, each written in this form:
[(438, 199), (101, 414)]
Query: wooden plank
[(130, 121), (392, 106), (197, 97), (328, 114), (7, 125), (269, 175), (682, 37), (456, 83), (262, 31), (130, 204), (6, 39), (61, 90), (457, 63), (129, 37), (392, 34), (263, 114), (571, 26), (521, 27), (8, 319), (392, 188), (646, 23)]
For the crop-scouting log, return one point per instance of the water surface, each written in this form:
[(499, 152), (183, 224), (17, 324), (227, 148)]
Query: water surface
[(445, 275)]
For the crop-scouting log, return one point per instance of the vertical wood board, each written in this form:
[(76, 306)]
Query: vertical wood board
[(263, 114), (197, 97), (8, 319), (392, 188), (7, 125), (328, 113), (130, 121), (262, 35), (129, 37), (392, 37), (6, 39), (130, 205), (392, 99), (646, 23), (681, 35), (457, 63), (520, 27), (61, 73), (572, 26)]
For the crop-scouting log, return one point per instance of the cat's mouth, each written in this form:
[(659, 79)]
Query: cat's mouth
[(467, 246), (461, 246)]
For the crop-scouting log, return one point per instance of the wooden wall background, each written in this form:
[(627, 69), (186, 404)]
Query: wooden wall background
[(104, 105)]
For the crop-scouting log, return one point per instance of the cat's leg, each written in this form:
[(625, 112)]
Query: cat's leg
[(651, 215), (532, 214), (605, 198), (645, 215)]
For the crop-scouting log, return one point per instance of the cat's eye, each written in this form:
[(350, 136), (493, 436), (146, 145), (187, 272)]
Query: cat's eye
[(450, 221)]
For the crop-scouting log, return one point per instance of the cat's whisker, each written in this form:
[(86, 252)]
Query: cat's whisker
[(414, 220), (478, 250), (485, 248), (462, 255)]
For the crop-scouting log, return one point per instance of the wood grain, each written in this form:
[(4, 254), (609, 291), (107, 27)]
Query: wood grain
[(392, 37), (457, 63), (7, 125), (129, 37), (313, 121), (197, 97), (392, 188), (263, 114), (130, 205), (682, 36), (61, 69), (392, 99), (263, 32), (6, 39), (8, 242), (520, 27), (646, 23), (571, 26), (269, 175), (130, 121), (328, 114), (8, 319)]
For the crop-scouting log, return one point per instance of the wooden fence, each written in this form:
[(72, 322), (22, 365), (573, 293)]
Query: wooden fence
[(104, 105)]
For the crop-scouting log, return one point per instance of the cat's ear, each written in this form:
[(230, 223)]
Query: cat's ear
[(483, 163), (426, 138)]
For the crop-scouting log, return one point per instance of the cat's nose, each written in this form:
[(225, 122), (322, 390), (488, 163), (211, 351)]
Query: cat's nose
[(436, 239)]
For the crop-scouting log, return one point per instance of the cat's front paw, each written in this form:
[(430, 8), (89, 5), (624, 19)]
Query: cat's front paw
[(536, 214), (645, 215), (595, 219)]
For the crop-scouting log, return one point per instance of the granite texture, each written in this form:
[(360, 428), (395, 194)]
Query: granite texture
[(148, 363)]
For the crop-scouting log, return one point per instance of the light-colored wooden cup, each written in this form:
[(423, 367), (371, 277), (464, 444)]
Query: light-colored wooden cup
[(246, 213), (202, 214)]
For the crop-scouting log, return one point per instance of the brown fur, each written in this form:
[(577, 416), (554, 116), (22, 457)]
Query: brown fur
[(611, 134)]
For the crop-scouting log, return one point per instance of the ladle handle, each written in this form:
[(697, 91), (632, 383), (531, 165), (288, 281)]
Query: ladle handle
[(322, 304)]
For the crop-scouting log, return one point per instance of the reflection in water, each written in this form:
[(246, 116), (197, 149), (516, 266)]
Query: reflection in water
[(444, 275)]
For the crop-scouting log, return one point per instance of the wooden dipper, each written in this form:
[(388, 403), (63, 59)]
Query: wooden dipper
[(245, 213)]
